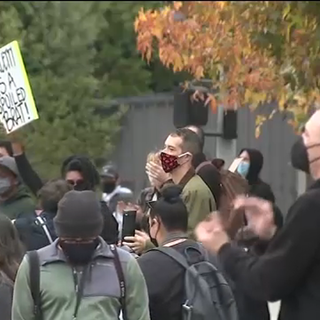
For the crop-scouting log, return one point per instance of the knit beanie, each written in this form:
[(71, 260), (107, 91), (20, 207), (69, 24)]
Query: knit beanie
[(79, 215)]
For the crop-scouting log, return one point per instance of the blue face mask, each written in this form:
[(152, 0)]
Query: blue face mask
[(243, 168)]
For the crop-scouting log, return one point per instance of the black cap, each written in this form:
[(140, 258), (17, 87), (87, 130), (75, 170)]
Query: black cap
[(109, 171)]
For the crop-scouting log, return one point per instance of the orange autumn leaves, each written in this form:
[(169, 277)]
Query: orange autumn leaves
[(215, 40)]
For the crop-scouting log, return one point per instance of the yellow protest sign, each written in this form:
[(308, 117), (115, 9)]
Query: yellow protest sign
[(17, 106)]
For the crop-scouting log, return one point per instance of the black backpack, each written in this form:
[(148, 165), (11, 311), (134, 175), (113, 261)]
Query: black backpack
[(207, 294), (34, 275)]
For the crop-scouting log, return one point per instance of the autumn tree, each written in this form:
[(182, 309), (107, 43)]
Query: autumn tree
[(118, 63), (253, 51), (77, 58), (57, 42)]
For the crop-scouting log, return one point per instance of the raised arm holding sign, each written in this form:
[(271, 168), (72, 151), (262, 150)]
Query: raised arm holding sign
[(17, 106)]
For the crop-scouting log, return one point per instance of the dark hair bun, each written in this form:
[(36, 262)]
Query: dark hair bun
[(171, 194)]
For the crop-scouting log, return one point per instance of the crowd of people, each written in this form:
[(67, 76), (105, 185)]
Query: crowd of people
[(63, 255)]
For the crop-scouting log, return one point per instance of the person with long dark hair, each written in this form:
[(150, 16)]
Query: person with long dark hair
[(80, 172), (11, 254)]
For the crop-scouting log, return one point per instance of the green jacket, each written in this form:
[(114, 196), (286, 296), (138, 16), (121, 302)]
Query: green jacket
[(199, 201), (101, 294), (19, 205)]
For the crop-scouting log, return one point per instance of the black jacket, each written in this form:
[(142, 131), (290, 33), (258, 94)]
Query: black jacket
[(34, 237), (32, 234), (251, 308), (290, 268), (259, 188), (33, 181)]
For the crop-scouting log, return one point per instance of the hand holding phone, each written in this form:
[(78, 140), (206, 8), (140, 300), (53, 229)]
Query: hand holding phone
[(128, 224)]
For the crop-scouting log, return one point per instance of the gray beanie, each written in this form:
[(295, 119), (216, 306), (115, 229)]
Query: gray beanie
[(79, 215), (10, 164)]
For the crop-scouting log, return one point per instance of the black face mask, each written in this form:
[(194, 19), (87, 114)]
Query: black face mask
[(299, 156), (81, 186), (153, 240), (108, 187), (79, 253)]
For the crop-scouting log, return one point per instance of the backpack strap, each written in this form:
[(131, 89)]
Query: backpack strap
[(122, 283), (173, 254), (34, 278), (42, 223), (202, 164)]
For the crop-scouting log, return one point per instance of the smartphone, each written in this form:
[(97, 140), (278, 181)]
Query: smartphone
[(128, 223), (235, 164)]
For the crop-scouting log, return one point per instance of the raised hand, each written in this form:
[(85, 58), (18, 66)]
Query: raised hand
[(211, 233), (259, 214), (156, 174)]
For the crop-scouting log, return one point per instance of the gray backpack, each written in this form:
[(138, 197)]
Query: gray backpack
[(207, 294)]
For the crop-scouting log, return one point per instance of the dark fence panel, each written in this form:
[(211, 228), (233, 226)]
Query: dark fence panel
[(145, 128), (150, 119), (274, 142)]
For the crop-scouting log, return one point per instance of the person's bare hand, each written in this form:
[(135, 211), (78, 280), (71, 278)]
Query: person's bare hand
[(138, 242), (122, 206), (156, 173), (211, 233), (259, 214), (245, 234), (17, 148), (15, 140), (130, 206)]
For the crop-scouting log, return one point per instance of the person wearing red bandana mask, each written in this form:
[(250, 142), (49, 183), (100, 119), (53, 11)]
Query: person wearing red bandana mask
[(176, 159)]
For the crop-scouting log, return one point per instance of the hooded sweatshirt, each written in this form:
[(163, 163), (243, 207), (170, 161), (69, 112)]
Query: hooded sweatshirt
[(18, 205), (249, 307), (259, 188)]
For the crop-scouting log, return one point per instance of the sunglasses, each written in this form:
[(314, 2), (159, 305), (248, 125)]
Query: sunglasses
[(75, 182)]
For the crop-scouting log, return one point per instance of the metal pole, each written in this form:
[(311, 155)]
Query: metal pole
[(301, 182), (226, 149)]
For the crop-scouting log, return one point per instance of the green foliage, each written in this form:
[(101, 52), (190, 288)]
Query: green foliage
[(119, 65), (77, 57), (253, 51), (57, 43)]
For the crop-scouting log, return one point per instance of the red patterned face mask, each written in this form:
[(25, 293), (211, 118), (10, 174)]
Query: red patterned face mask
[(169, 162)]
